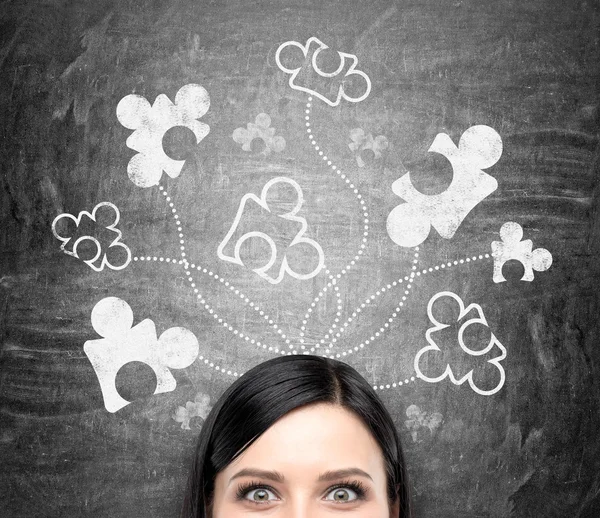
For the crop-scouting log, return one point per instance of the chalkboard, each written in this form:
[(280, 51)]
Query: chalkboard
[(190, 188)]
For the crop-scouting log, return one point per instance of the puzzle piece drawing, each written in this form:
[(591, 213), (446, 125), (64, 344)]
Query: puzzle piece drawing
[(511, 247), (66, 234), (479, 148), (152, 122), (361, 142), (112, 318), (276, 257), (345, 71), (259, 129), (493, 349), (200, 407)]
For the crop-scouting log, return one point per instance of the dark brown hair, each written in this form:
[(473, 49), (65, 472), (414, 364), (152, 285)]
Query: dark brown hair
[(266, 393)]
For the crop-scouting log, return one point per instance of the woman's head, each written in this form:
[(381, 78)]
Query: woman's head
[(302, 418)]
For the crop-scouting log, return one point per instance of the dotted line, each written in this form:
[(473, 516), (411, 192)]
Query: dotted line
[(425, 271), (361, 250), (231, 287), (409, 279), (159, 259), (313, 304), (395, 384), (456, 262), (187, 265)]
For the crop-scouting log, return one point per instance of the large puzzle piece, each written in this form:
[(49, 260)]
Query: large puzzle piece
[(276, 263), (309, 59), (479, 148), (112, 318), (511, 247), (152, 122)]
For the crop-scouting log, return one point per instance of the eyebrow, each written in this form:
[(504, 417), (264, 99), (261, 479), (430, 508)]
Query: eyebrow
[(278, 477)]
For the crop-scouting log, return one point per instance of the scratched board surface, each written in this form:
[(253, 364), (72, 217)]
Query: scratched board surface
[(192, 187)]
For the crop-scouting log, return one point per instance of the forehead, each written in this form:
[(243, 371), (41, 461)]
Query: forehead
[(313, 439)]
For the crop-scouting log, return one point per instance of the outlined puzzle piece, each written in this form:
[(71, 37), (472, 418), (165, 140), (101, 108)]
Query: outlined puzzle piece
[(261, 239), (511, 247), (112, 318), (492, 349), (152, 122), (66, 227), (409, 224), (309, 59), (230, 248)]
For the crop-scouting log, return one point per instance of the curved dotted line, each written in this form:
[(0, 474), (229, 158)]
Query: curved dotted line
[(363, 207), (425, 271), (395, 384), (313, 304), (456, 262), (187, 265), (370, 299)]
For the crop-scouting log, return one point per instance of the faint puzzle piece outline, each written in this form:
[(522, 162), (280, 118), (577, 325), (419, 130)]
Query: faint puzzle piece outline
[(259, 129), (362, 141), (200, 407)]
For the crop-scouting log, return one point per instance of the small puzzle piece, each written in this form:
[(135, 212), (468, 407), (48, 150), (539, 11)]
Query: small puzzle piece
[(276, 264), (259, 129), (362, 142), (85, 229), (511, 247), (479, 148), (112, 318), (152, 122), (200, 407)]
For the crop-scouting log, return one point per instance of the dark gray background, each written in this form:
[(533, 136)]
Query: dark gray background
[(528, 68)]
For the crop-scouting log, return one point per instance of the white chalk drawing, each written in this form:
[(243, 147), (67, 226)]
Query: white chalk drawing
[(511, 247), (419, 420), (409, 224), (493, 348), (362, 142), (152, 122), (112, 318), (113, 246), (200, 407), (259, 129), (275, 254), (310, 53)]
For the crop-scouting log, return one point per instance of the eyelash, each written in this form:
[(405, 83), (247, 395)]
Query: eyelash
[(355, 486)]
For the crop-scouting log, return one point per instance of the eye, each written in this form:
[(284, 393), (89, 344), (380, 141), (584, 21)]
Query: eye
[(258, 493), (347, 492)]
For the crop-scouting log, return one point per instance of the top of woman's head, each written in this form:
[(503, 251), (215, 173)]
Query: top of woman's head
[(273, 389)]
